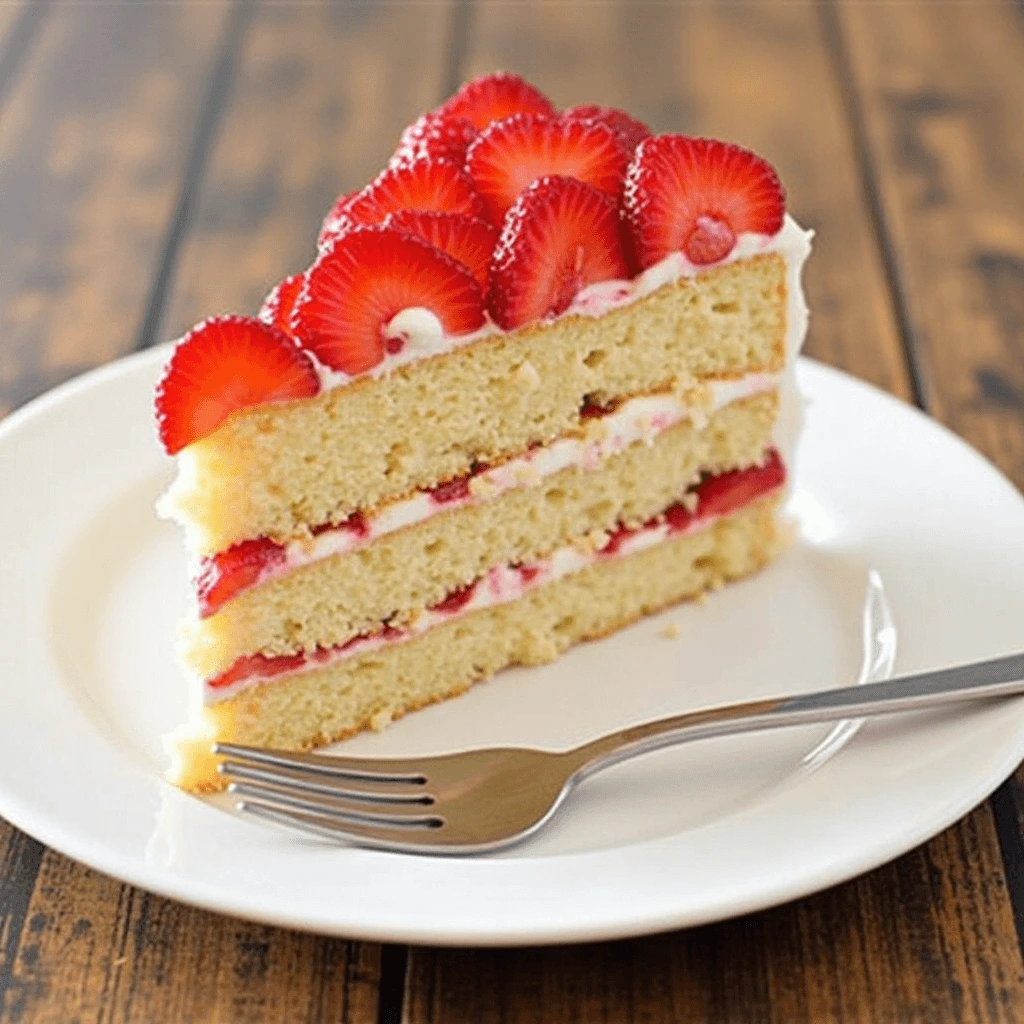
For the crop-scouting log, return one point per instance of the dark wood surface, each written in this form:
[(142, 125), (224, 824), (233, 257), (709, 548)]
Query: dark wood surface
[(160, 162)]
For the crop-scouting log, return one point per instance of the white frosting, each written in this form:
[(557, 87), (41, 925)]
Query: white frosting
[(419, 328)]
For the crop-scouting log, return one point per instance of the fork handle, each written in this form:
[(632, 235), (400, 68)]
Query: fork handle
[(1000, 677)]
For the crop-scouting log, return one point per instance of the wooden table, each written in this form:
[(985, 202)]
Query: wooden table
[(160, 162)]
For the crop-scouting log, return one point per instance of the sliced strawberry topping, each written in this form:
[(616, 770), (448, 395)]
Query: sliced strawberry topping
[(512, 153), (226, 574), (278, 305), (492, 97), (469, 240), (418, 185), (719, 495), (696, 196), (560, 236), (355, 288), (630, 131), (437, 137), (336, 222), (224, 364)]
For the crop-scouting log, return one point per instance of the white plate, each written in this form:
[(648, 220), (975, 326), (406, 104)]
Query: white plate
[(92, 585)]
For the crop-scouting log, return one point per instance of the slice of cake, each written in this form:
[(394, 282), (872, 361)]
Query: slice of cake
[(535, 385)]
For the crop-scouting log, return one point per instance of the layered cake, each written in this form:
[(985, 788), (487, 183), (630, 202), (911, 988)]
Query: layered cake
[(532, 387)]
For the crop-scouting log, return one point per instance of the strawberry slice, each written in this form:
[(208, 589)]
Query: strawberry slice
[(630, 131), (560, 236), (435, 137), (278, 305), (226, 574), (224, 364), (719, 495), (336, 223), (512, 153), (493, 97), (356, 287), (696, 196), (418, 185), (469, 240)]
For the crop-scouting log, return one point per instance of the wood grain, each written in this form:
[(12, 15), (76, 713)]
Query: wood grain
[(92, 145), (840, 956), (330, 89), (93, 949), (943, 103), (92, 152), (942, 108), (20, 21), (930, 937), (321, 83)]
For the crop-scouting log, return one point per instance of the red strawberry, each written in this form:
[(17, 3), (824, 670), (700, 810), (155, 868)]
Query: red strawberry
[(437, 137), (517, 151), (419, 185), (355, 288), (719, 495), (224, 364), (697, 196), (493, 97), (560, 236), (335, 222), (630, 131), (226, 574), (278, 305), (469, 240)]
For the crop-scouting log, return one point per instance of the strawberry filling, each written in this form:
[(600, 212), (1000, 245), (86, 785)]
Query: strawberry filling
[(228, 573), (711, 499)]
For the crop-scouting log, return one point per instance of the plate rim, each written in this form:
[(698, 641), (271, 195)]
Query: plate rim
[(199, 893)]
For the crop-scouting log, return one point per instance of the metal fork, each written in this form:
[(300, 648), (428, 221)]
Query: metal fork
[(483, 800)]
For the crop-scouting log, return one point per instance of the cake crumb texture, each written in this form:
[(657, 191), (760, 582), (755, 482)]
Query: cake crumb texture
[(324, 705), (399, 574), (274, 470)]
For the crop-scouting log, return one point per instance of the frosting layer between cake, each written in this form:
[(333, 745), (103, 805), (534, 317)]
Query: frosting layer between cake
[(713, 499)]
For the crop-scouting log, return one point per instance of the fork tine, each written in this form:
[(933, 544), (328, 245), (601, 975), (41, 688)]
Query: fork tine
[(325, 785), (362, 768), (397, 816), (404, 839)]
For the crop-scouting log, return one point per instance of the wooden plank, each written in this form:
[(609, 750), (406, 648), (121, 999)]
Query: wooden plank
[(322, 85), (20, 858), (836, 957), (92, 145), (942, 95), (92, 152), (930, 937), (942, 107), (93, 949), (20, 22), (331, 88)]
